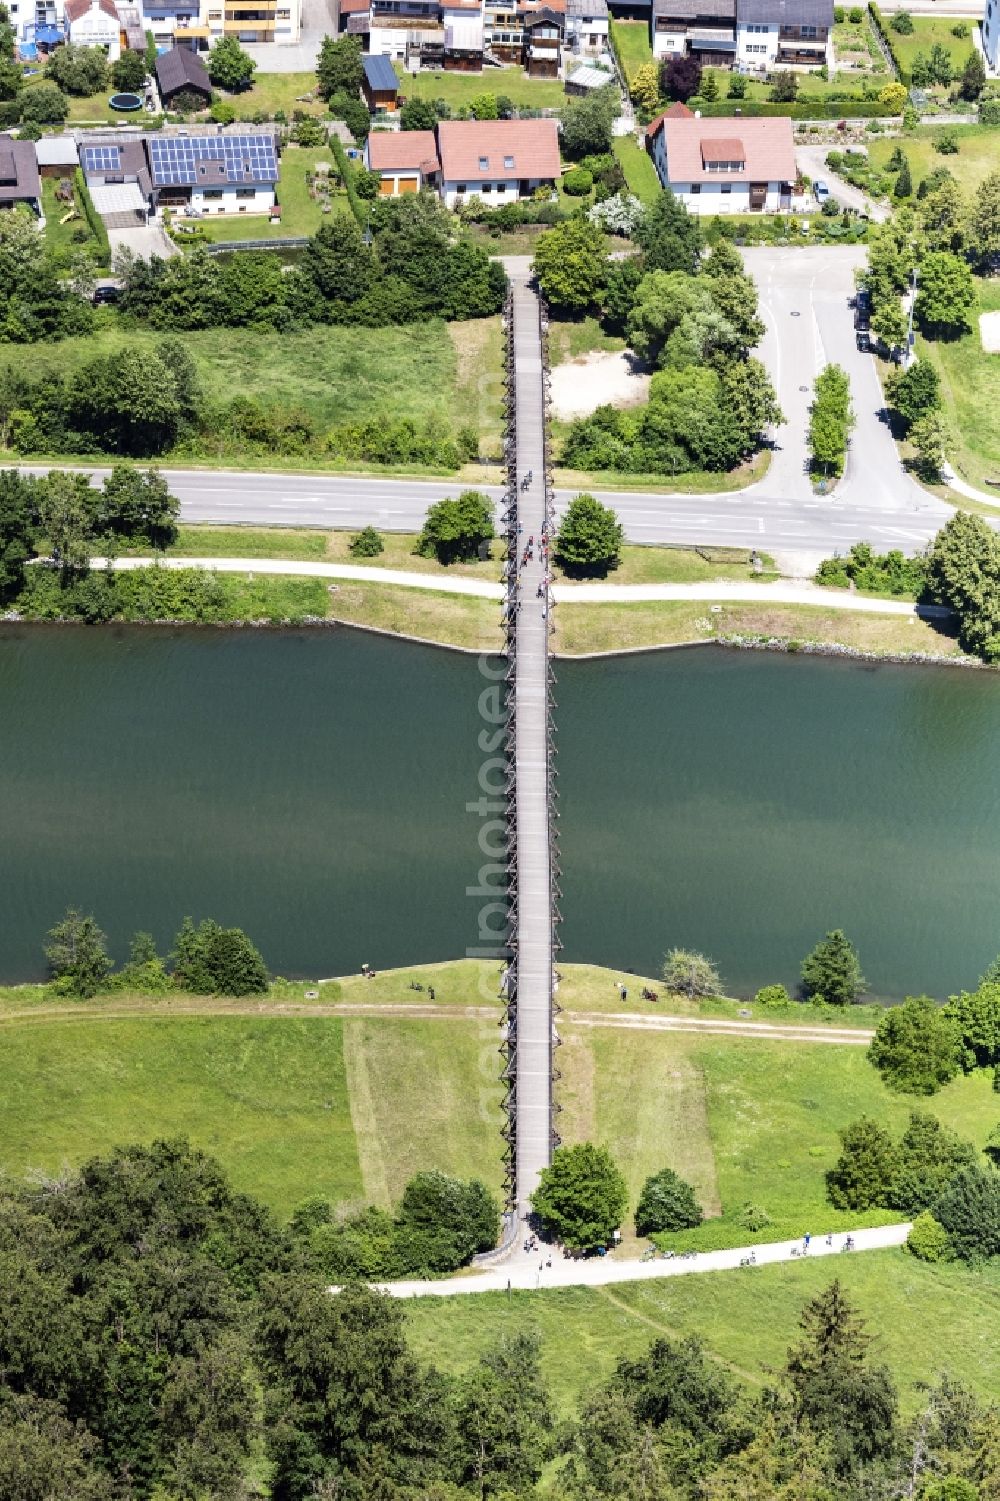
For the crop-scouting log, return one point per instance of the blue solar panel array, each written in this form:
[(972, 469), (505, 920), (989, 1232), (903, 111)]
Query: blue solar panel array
[(101, 159), (175, 159)]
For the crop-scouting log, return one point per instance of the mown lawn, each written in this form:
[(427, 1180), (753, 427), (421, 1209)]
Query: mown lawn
[(640, 174), (459, 89), (270, 92), (268, 1097), (926, 1319), (928, 32), (335, 374), (978, 152), (301, 213), (970, 386), (631, 39)]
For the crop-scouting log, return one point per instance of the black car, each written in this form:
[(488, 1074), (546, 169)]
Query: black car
[(862, 310), (106, 294)]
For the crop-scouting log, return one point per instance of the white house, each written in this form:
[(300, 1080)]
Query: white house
[(214, 174), (498, 161), (783, 34), (725, 166), (94, 23), (706, 28), (587, 27)]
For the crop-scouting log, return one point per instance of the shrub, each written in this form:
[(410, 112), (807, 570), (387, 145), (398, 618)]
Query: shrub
[(855, 15), (590, 537), (947, 143), (367, 544), (916, 1047), (960, 29), (902, 23), (989, 112), (691, 974), (577, 182), (223, 113), (773, 996), (754, 1217), (839, 15), (210, 960), (457, 529), (928, 1240), (666, 1203), (863, 1174), (581, 1197)]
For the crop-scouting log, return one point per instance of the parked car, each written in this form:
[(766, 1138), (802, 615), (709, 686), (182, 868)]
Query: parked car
[(106, 294), (862, 310), (820, 191)]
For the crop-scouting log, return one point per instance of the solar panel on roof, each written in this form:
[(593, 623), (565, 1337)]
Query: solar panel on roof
[(177, 160)]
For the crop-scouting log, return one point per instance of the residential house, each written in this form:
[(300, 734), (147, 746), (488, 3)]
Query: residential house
[(19, 180), (379, 85), (406, 160), (181, 71), (706, 28), (783, 34), (94, 23), (118, 179), (497, 160), (529, 32), (543, 32), (727, 165), (587, 27), (401, 28), (218, 173)]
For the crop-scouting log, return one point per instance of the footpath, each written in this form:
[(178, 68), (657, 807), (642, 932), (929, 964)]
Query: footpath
[(532, 1271), (780, 592)]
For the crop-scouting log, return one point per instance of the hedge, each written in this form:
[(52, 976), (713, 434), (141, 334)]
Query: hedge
[(93, 218), (815, 109), (886, 35), (346, 169)]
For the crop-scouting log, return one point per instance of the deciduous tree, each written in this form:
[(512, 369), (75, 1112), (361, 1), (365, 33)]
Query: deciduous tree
[(916, 1046), (457, 529), (590, 537), (946, 293), (340, 67), (689, 973), (581, 1197), (571, 264), (863, 1173), (666, 1203), (229, 67)]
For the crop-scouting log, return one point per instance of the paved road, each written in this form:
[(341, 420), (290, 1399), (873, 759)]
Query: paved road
[(528, 1272), (812, 161)]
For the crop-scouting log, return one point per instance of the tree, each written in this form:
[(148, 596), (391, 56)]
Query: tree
[(128, 401), (969, 1211), (17, 529), (666, 1203), (229, 67), (138, 506), (43, 103), (931, 436), (946, 293), (893, 98), (680, 76), (832, 973), (340, 69), (11, 79), (77, 955), (418, 114), (939, 64), (367, 544), (65, 518), (690, 974), (590, 537), (504, 1421), (670, 238), (902, 22), (210, 960), (352, 110), (252, 290), (44, 1455), (904, 181), (784, 86), (751, 400), (737, 87), (928, 1240), (984, 223), (484, 107), (963, 572), (587, 124), (831, 418), (864, 1172), (571, 265), (709, 90), (644, 87), (929, 1158), (914, 391), (835, 1387), (915, 1047), (129, 72), (78, 70), (457, 530), (443, 1221), (581, 1197), (973, 76)]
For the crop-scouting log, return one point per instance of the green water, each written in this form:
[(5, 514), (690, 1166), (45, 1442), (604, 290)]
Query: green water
[(311, 787)]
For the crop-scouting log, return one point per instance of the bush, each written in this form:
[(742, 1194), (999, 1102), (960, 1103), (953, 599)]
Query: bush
[(773, 996), (43, 104), (839, 15), (223, 113), (863, 1174), (754, 1217), (969, 1210), (690, 974), (855, 15), (916, 1047), (928, 1240), (989, 112), (947, 143), (666, 1203), (577, 182), (902, 23), (367, 544), (876, 573), (210, 960)]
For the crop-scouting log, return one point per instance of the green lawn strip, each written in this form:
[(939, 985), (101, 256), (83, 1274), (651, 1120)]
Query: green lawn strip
[(459, 89), (637, 165), (926, 1319), (970, 388), (447, 619), (631, 42), (694, 482), (63, 238), (977, 155), (268, 1097)]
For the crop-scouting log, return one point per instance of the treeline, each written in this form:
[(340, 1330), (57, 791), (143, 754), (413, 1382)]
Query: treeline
[(161, 1335), (691, 315)]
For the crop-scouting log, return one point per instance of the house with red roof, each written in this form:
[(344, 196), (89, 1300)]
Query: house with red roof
[(725, 166), (498, 161), (405, 160)]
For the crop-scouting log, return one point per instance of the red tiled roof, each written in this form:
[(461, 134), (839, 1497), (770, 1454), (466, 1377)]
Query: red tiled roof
[(401, 150), (352, 7), (77, 8), (531, 145), (764, 146), (675, 111)]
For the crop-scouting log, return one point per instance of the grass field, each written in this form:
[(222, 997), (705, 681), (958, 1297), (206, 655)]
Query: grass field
[(335, 374), (926, 1319), (978, 152), (459, 89), (928, 32), (631, 39), (970, 383), (270, 92), (637, 165)]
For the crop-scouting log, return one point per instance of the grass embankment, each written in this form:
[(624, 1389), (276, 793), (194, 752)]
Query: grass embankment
[(637, 165), (970, 388), (977, 155), (337, 375), (351, 1104), (927, 1319), (458, 89)]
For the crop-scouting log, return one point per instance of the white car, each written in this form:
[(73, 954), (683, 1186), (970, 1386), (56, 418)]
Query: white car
[(821, 191)]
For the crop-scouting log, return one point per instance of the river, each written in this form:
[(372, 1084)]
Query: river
[(310, 786)]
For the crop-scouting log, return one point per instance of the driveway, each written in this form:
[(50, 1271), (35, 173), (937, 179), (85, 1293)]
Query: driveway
[(811, 160), (144, 240), (804, 301), (300, 56)]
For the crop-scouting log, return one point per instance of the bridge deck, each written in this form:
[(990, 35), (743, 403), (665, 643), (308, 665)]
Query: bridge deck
[(534, 876)]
